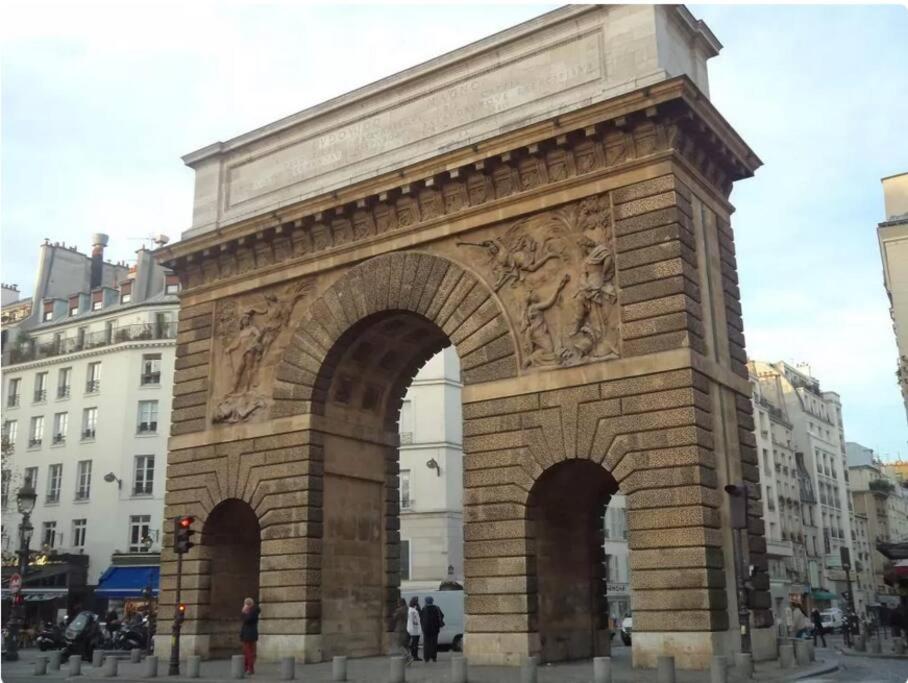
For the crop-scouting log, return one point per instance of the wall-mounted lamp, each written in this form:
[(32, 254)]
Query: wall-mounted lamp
[(433, 465), (111, 477)]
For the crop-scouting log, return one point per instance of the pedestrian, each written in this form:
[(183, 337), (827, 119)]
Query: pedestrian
[(799, 621), (818, 629), (433, 620), (414, 628), (249, 633), (399, 628)]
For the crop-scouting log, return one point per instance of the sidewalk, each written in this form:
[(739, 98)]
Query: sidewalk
[(376, 670)]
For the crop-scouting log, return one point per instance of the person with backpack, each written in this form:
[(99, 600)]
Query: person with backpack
[(433, 620)]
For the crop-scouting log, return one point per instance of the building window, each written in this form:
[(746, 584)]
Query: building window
[(93, 378), (30, 477), (48, 315), (83, 480), (4, 489), (406, 422), (36, 433), (10, 432), (139, 533), (54, 479), (404, 560), (79, 526), (144, 475), (40, 387), (405, 501), (97, 305), (89, 423), (73, 310), (151, 368), (64, 381), (125, 298), (148, 417), (49, 534), (12, 392), (172, 285), (61, 423)]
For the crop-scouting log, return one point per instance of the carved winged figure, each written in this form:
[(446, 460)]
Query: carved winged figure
[(514, 254)]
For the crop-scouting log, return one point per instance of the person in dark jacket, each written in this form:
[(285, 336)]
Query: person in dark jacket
[(433, 619), (249, 633), (818, 629)]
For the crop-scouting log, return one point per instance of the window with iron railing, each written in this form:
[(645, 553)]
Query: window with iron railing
[(83, 480), (151, 369), (143, 483), (54, 479), (148, 417)]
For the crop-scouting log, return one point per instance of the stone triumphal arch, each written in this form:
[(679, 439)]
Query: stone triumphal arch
[(553, 202)]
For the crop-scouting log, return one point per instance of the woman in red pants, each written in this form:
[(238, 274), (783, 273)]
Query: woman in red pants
[(249, 633)]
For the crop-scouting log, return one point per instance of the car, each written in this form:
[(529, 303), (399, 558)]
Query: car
[(451, 604), (833, 620), (627, 625)]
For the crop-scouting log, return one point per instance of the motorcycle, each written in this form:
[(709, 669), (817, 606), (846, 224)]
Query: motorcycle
[(82, 636), (50, 638)]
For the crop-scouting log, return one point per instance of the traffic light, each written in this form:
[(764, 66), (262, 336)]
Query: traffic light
[(738, 503), (182, 534), (181, 612)]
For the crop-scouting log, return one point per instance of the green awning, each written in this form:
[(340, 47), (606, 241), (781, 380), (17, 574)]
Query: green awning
[(818, 594)]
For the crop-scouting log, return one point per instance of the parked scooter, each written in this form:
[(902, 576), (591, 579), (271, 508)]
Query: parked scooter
[(82, 636), (51, 637)]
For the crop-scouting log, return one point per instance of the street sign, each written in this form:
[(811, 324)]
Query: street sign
[(15, 583)]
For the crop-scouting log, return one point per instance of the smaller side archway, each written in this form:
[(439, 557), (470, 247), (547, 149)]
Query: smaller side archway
[(231, 537), (566, 507)]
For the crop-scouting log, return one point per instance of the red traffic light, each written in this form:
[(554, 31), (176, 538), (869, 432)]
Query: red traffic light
[(186, 522), (182, 608)]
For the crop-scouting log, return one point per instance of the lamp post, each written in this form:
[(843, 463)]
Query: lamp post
[(25, 502)]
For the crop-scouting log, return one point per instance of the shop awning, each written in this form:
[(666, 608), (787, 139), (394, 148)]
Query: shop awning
[(127, 582), (818, 594)]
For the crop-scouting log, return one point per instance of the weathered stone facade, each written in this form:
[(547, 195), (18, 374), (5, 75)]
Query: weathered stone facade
[(584, 269)]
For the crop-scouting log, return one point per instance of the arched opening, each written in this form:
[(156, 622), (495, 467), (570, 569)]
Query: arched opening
[(231, 540), (365, 379), (566, 508)]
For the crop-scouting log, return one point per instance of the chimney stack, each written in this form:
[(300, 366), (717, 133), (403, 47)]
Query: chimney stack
[(98, 242)]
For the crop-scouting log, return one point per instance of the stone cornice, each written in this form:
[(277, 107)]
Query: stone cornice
[(668, 117)]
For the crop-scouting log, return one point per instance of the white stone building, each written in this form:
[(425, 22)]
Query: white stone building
[(86, 384), (431, 475), (818, 445)]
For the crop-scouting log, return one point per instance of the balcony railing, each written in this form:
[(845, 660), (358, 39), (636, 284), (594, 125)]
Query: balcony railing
[(12, 400), (151, 378), (82, 494), (147, 427), (93, 386), (53, 497), (144, 489), (40, 395), (88, 433), (59, 438), (30, 351), (63, 392), (34, 443)]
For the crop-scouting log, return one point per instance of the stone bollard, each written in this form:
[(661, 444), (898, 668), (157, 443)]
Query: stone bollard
[(786, 655), (97, 658), (398, 670), (811, 651), (876, 647), (41, 665), (339, 669), (744, 664), (110, 667), (602, 670), (53, 664), (458, 669), (899, 647), (151, 667), (528, 669), (75, 665), (665, 669), (237, 666), (288, 668), (135, 655), (193, 666), (718, 672), (802, 652)]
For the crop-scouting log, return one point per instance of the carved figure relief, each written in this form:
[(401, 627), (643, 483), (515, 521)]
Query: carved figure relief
[(248, 332), (558, 269)]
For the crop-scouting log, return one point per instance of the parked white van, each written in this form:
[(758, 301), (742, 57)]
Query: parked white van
[(451, 604)]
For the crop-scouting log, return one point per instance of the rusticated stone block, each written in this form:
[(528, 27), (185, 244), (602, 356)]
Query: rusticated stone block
[(656, 271), (674, 497), (652, 308), (674, 558), (657, 235), (680, 284), (668, 518), (502, 585), (671, 579), (516, 547), (646, 188), (499, 604), (694, 620), (499, 369), (680, 599), (498, 566), (649, 204), (500, 623), (675, 538), (663, 400)]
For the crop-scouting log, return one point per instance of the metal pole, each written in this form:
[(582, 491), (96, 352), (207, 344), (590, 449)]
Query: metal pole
[(743, 612), (174, 669), (850, 618), (15, 617)]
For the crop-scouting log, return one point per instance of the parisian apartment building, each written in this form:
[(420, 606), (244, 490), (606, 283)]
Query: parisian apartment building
[(87, 374), (892, 234), (881, 500)]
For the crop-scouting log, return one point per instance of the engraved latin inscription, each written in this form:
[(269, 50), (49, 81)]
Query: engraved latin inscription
[(456, 110)]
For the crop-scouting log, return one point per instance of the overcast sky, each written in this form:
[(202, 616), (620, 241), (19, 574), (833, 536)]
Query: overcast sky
[(100, 101)]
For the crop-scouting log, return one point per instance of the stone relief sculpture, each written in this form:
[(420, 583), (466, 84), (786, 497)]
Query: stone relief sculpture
[(560, 270), (248, 333)]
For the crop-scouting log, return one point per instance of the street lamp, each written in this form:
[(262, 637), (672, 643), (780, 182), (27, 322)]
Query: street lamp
[(25, 502)]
